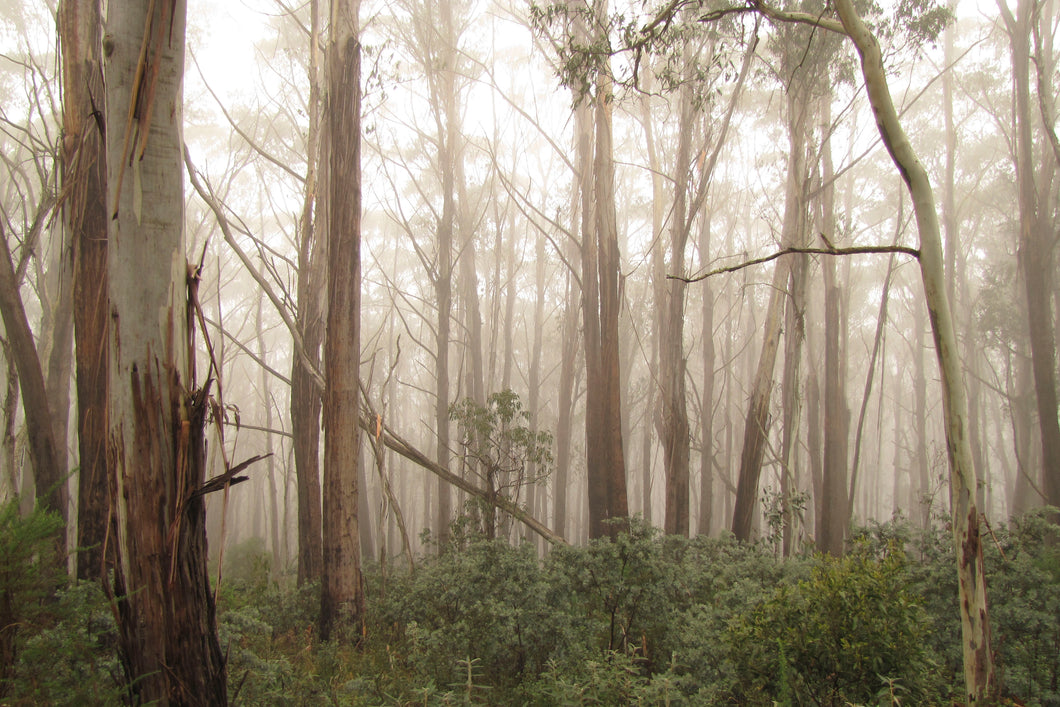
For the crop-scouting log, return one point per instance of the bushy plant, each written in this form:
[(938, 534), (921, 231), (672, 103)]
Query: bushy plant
[(617, 591), (71, 655), (834, 639), (1023, 577), (58, 641), (487, 602)]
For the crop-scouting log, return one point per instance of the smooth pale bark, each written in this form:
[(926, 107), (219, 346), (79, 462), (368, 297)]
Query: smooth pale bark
[(279, 561), (881, 320), (85, 179), (535, 494), (306, 401), (442, 93), (980, 682), (341, 590), (920, 477), (799, 105), (156, 446)]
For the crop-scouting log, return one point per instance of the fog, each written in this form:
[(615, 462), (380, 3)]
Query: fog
[(733, 140)]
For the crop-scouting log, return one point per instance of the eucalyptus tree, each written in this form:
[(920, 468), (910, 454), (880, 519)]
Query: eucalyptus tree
[(306, 393), (605, 462), (156, 415), (341, 591), (432, 34)]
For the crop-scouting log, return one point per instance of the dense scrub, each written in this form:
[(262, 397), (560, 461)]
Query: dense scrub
[(645, 619)]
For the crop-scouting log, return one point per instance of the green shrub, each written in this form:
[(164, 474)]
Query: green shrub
[(72, 656), (841, 636), (618, 593), (487, 602), (1023, 586)]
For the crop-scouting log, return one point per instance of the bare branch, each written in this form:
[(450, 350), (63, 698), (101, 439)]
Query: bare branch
[(226, 231), (853, 250)]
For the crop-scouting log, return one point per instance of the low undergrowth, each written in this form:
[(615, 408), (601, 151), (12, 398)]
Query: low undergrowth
[(644, 619)]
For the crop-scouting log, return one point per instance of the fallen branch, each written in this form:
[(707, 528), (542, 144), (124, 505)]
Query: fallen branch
[(393, 441)]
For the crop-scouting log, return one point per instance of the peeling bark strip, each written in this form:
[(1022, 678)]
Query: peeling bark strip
[(156, 438)]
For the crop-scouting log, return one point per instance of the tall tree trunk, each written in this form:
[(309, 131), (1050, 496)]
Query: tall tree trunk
[(156, 447), (305, 401), (920, 479), (565, 403), (85, 179), (605, 462), (836, 416), (674, 430), (272, 496), (706, 413), (653, 406), (756, 427), (341, 591), (1036, 248)]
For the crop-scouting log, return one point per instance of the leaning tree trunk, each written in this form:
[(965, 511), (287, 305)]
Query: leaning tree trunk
[(156, 446), (980, 684), (85, 181), (756, 426), (44, 452), (341, 591)]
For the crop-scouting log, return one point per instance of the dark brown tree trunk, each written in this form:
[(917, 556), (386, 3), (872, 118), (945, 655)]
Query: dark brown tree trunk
[(341, 591), (44, 452), (605, 462), (156, 448), (836, 423), (85, 179)]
